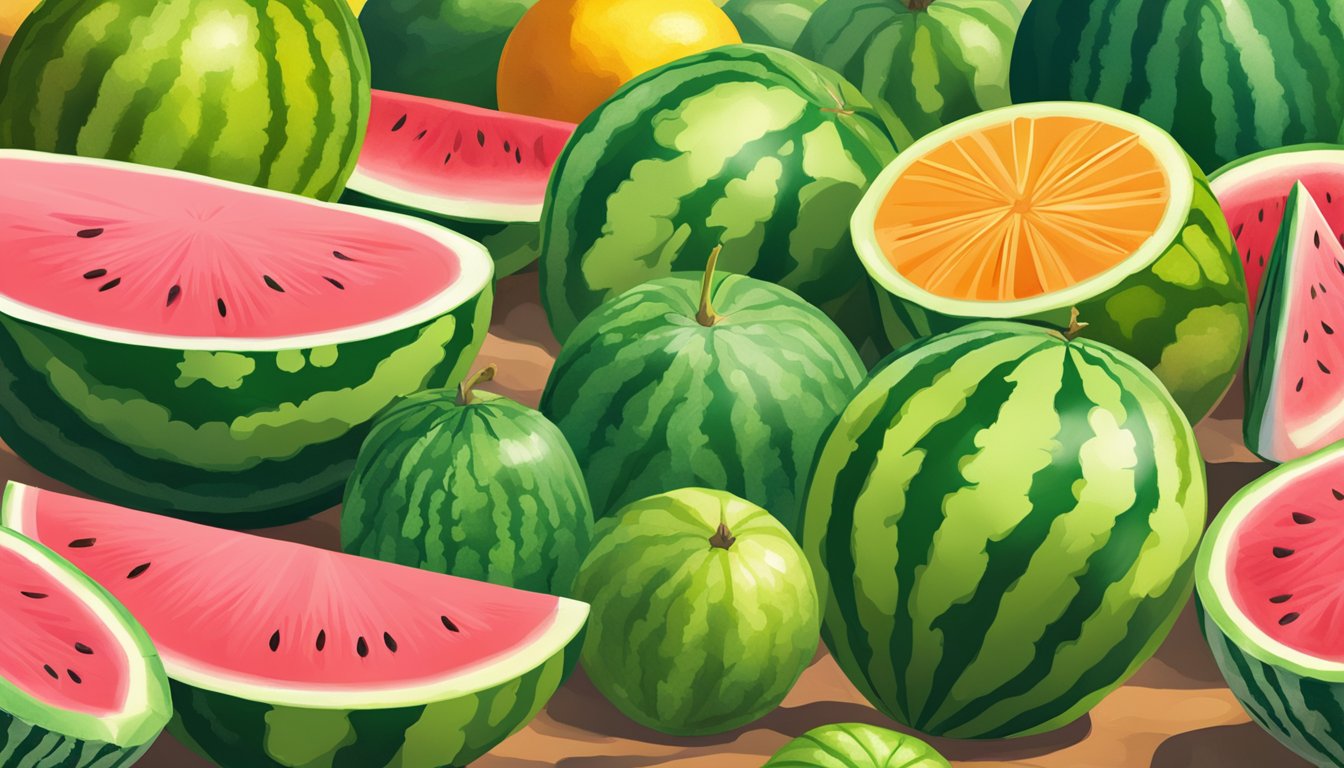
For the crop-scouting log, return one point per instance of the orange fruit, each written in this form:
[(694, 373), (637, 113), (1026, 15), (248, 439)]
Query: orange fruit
[(565, 57), (12, 14)]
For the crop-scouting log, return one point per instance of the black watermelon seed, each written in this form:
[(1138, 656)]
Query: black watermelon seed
[(87, 233), (51, 672), (447, 157), (420, 135), (223, 310), (138, 570), (334, 282), (1261, 259), (110, 284), (1313, 291), (1338, 496), (1316, 238), (82, 543), (1261, 215), (34, 595), (94, 274), (1304, 337), (1302, 518), (362, 648), (84, 649), (397, 126), (1240, 227), (1282, 552), (389, 642), (1299, 385), (1288, 618), (173, 293), (448, 623), (1277, 599), (507, 148), (74, 676), (1248, 256), (1337, 263), (341, 256), (1321, 365), (274, 286), (480, 138), (275, 641), (518, 156), (321, 639), (1328, 330)]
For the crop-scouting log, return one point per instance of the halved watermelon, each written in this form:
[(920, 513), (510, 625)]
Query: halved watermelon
[(213, 350), (80, 682), (1270, 580), (1294, 391), (478, 171), (1252, 192), (287, 655)]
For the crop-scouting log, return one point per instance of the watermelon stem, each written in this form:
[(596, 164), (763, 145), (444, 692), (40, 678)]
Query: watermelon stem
[(706, 316), (918, 5), (1075, 327), (465, 396), (722, 538)]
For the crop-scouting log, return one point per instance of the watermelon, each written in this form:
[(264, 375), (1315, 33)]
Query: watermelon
[(473, 484), (442, 49), (1033, 211), (931, 61), (1005, 521), (770, 22), (1269, 551), (721, 381), (1227, 78), (273, 93), (277, 328), (477, 171), (732, 582), (301, 659), (749, 147), (856, 745), (80, 683), (1252, 192), (1292, 398)]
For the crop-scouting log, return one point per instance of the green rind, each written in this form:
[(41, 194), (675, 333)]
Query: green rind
[(770, 22), (856, 745), (487, 491), (24, 744), (651, 400), (690, 639), (749, 147), (1227, 80), (274, 94), (930, 66), (1005, 524), (241, 439)]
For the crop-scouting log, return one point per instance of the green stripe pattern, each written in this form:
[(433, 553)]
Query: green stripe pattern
[(932, 64), (236, 733), (273, 93), (856, 745), (651, 400), (689, 637), (1005, 524), (488, 490), (28, 746), (749, 147), (1227, 77), (770, 22)]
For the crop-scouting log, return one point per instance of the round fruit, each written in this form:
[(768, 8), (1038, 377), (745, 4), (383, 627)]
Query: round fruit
[(1226, 78), (683, 382), (931, 61), (470, 484), (443, 49), (734, 585), (1032, 211), (1010, 518), (856, 745), (770, 22), (274, 94), (566, 57), (750, 147)]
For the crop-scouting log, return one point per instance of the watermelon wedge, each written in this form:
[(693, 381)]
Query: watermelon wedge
[(478, 171), (1253, 192), (212, 350), (80, 683), (286, 655), (1294, 392)]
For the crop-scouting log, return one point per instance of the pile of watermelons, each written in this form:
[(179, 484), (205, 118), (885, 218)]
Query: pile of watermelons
[(886, 325)]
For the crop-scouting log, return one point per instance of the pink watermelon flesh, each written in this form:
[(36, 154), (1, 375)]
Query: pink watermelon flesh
[(458, 160), (55, 648), (177, 255), (243, 608)]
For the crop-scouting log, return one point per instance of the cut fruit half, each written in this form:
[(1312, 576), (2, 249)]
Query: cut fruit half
[(1031, 211), (1295, 369)]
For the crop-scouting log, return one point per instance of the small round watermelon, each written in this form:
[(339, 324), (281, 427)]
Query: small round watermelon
[(1003, 527), (273, 93), (704, 612), (471, 484), (715, 380), (856, 745)]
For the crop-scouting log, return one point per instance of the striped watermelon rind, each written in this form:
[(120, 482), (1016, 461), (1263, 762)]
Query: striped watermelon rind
[(856, 745), (770, 22), (273, 93), (1178, 304), (1003, 526)]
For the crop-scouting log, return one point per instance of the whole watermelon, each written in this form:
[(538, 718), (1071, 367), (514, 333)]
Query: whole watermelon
[(662, 388), (1005, 522), (471, 484), (750, 147), (770, 22), (443, 49), (1227, 78), (273, 93), (704, 612), (931, 61), (856, 745)]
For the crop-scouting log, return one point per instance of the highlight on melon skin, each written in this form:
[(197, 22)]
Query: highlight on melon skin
[(1030, 211)]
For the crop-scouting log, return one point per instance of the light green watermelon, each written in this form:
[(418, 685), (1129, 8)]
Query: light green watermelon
[(770, 22), (704, 612), (856, 745), (273, 93), (1003, 527)]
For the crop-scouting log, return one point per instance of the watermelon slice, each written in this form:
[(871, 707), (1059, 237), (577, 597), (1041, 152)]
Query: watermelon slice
[(211, 350), (1270, 580), (80, 682), (1294, 391), (285, 655), (1253, 192), (478, 171)]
